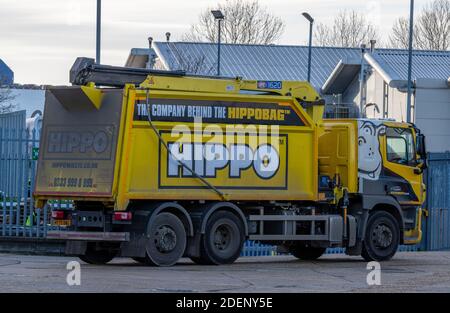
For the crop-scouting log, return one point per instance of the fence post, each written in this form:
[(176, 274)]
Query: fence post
[(38, 222), (45, 220)]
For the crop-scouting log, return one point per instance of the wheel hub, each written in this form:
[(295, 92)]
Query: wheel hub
[(382, 236), (165, 239), (222, 237)]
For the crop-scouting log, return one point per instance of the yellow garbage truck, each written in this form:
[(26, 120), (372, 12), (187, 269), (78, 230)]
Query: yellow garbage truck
[(161, 165)]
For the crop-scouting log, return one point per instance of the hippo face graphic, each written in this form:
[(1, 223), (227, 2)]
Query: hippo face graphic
[(369, 156)]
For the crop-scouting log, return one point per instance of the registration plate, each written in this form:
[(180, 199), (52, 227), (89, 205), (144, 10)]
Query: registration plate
[(62, 222)]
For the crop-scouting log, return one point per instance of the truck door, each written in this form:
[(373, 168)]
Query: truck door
[(400, 161)]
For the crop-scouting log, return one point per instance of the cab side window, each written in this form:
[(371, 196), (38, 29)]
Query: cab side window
[(400, 146)]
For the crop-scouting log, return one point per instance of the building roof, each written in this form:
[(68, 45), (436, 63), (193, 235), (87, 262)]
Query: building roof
[(283, 62), (6, 74), (265, 62), (426, 64)]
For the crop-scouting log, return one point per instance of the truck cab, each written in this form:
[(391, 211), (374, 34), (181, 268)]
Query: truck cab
[(383, 172)]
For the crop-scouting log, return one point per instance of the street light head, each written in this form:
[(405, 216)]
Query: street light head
[(218, 15), (308, 17)]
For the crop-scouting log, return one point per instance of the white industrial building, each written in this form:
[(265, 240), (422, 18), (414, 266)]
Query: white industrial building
[(384, 92), (336, 72), (28, 98)]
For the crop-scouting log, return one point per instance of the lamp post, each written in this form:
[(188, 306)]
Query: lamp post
[(218, 16), (97, 40), (411, 32), (311, 21)]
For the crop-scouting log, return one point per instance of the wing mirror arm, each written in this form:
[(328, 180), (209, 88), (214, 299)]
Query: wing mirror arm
[(420, 166)]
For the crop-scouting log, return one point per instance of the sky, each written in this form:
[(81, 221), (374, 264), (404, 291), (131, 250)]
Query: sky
[(39, 40)]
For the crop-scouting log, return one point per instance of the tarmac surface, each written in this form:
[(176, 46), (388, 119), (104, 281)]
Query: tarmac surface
[(407, 272)]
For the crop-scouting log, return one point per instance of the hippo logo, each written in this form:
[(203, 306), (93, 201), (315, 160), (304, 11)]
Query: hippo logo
[(369, 155)]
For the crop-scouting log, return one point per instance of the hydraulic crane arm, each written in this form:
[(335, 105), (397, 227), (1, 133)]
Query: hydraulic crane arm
[(85, 70)]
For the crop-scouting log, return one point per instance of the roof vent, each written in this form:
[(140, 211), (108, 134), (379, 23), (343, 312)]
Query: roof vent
[(150, 41), (363, 47), (372, 45)]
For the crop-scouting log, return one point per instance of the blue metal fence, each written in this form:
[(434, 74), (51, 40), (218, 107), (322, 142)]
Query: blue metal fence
[(437, 227), (18, 167), (253, 248), (18, 158)]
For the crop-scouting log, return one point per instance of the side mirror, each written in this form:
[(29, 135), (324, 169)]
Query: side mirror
[(421, 150)]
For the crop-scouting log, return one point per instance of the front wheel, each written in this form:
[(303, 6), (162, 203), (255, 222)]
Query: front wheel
[(382, 237)]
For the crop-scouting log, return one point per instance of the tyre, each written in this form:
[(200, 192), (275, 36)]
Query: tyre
[(223, 239), (97, 256), (167, 240), (303, 252), (382, 237)]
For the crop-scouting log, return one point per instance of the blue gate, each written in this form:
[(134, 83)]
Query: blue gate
[(437, 226), (19, 147)]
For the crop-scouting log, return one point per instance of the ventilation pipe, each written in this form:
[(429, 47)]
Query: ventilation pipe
[(150, 41), (372, 45)]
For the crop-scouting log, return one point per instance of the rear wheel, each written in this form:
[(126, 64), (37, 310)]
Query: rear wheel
[(382, 237), (303, 252), (223, 239), (98, 256), (167, 241)]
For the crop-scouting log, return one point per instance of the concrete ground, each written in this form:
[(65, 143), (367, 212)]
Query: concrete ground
[(407, 272)]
